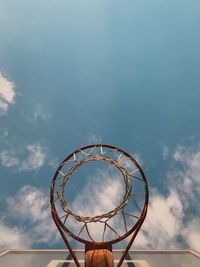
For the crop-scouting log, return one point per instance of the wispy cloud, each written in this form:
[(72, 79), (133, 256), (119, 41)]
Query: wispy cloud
[(173, 218), (188, 176), (165, 152), (39, 112), (192, 233), (34, 159), (53, 163), (12, 237), (163, 224), (8, 158), (7, 94), (30, 210), (94, 139)]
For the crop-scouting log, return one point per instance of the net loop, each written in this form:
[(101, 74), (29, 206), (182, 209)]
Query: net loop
[(100, 217)]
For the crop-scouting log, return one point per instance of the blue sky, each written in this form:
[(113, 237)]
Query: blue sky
[(79, 72)]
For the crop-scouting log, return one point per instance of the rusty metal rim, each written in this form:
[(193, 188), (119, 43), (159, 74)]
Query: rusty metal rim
[(105, 215), (59, 223)]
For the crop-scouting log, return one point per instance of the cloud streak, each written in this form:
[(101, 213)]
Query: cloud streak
[(30, 210), (34, 160), (165, 152), (8, 158), (173, 219), (39, 112), (94, 139), (12, 237), (7, 94)]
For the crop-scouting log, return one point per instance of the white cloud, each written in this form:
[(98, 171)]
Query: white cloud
[(7, 94), (175, 216), (165, 152), (8, 158), (30, 203), (192, 233), (187, 179), (30, 209), (94, 139), (40, 113), (34, 160), (12, 237), (191, 163), (53, 163), (163, 223)]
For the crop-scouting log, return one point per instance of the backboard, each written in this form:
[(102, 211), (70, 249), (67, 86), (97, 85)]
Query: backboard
[(135, 258)]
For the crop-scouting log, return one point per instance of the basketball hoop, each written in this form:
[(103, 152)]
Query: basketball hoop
[(131, 210)]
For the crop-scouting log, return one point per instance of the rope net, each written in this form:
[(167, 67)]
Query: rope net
[(109, 224)]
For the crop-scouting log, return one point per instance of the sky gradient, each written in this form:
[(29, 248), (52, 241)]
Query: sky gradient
[(124, 73)]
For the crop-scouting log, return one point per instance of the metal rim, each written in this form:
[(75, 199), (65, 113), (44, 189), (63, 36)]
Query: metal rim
[(142, 216), (105, 215)]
